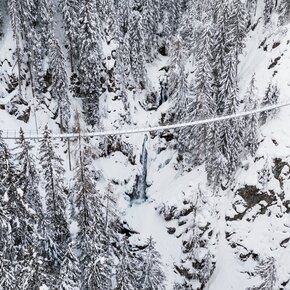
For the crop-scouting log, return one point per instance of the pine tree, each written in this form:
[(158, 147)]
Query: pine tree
[(271, 98), (178, 88), (268, 9), (21, 223), (204, 104), (216, 163), (56, 199), (59, 87), (221, 49), (126, 280), (28, 176), (137, 48), (231, 130), (45, 14), (70, 12), (152, 277), (90, 61), (150, 18), (69, 278), (267, 271), (237, 26), (173, 8), (251, 122), (14, 10), (251, 7), (284, 12), (6, 241), (91, 239)]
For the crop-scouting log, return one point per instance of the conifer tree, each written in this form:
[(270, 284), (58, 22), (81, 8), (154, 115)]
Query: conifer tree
[(125, 269), (216, 163), (150, 18), (69, 278), (284, 12), (21, 223), (45, 14), (137, 48), (251, 122), (267, 270), (203, 90), (152, 277), (271, 98), (59, 90), (91, 238), (28, 176), (268, 9), (231, 130), (237, 26), (90, 61), (6, 241), (56, 199), (70, 12), (14, 12), (32, 47)]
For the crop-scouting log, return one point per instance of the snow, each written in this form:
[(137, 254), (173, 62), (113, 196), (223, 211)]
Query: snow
[(261, 234)]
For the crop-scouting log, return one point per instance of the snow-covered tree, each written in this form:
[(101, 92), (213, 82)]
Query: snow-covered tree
[(28, 176), (203, 91), (14, 12), (126, 280), (91, 239), (89, 65), (237, 26), (268, 10), (137, 48), (32, 46), (284, 12), (271, 98), (251, 122), (59, 86), (69, 278), (267, 271), (150, 18), (45, 14), (152, 277), (70, 11), (56, 197)]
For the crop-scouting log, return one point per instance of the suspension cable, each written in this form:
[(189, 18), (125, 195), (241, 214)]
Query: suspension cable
[(131, 131)]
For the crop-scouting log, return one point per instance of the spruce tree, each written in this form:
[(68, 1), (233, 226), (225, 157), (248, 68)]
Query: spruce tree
[(137, 48), (268, 272), (237, 26), (70, 12), (59, 86), (32, 47), (91, 239), (284, 12), (152, 277), (28, 175), (14, 12), (69, 278), (126, 280), (150, 18), (268, 10), (89, 65), (271, 98), (251, 122), (203, 90), (57, 233)]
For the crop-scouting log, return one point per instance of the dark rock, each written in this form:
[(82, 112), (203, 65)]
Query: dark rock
[(171, 231)]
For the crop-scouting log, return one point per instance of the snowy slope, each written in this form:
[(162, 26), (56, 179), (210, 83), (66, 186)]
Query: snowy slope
[(247, 229)]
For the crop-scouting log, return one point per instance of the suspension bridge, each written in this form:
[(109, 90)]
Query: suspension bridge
[(129, 131)]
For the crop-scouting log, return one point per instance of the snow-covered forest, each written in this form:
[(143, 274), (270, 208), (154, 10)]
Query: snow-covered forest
[(193, 208)]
